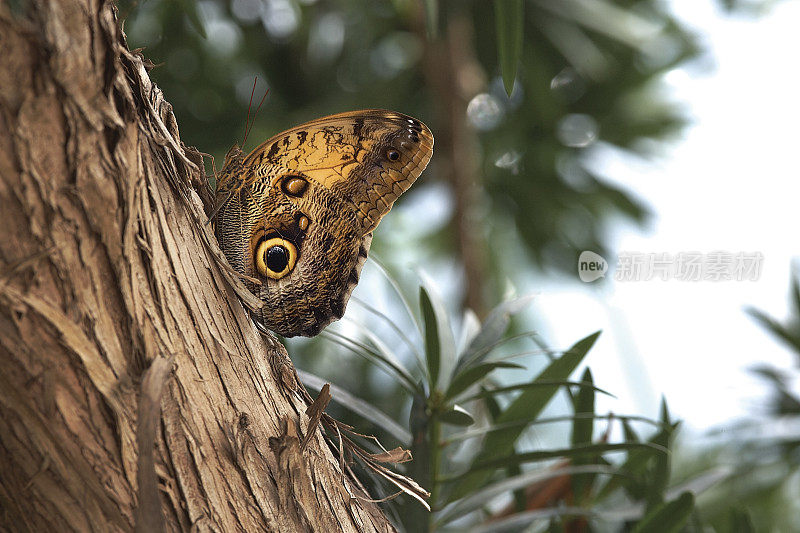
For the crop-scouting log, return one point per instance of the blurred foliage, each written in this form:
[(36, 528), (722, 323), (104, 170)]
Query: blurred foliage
[(785, 403), (588, 74), (466, 427), (760, 455)]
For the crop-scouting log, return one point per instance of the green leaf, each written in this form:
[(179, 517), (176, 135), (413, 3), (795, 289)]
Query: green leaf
[(794, 291), (387, 364), (741, 522), (476, 501), (482, 431), (492, 330), (392, 324), (559, 453), (432, 18), (457, 416), (637, 463), (400, 294), (433, 348), (582, 430), (776, 328), (440, 344), (527, 406), (659, 475), (509, 17), (629, 432), (554, 384), (189, 8), (469, 377), (558, 517), (420, 469), (492, 407), (470, 327), (665, 412), (668, 517), (382, 347)]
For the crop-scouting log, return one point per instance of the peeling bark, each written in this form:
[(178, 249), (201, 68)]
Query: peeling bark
[(114, 301)]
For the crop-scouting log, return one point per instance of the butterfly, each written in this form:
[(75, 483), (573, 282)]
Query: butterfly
[(295, 216)]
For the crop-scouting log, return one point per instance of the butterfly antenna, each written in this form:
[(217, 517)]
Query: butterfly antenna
[(249, 106), (248, 129)]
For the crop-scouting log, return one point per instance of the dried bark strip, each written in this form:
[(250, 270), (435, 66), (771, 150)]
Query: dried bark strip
[(107, 267)]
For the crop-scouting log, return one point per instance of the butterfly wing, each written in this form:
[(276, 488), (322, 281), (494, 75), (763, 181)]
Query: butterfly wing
[(306, 201)]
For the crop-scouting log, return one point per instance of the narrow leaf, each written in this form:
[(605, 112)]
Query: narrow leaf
[(582, 433), (392, 324), (630, 433), (190, 9), (476, 501), (480, 432), (432, 347), (470, 376), (794, 291), (637, 461), (400, 294), (527, 406), (457, 416), (519, 521), (544, 455), (492, 331), (470, 327), (582, 428), (776, 328), (668, 517), (509, 21), (698, 485), (554, 384), (361, 349), (444, 341), (741, 521), (432, 18)]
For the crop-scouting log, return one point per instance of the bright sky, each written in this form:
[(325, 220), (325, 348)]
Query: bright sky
[(732, 185)]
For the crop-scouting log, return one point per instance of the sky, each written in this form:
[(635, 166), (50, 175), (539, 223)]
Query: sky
[(730, 184)]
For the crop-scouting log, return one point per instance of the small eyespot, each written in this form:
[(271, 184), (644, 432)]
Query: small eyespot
[(294, 185), (302, 223), (393, 155), (275, 257), (414, 137)]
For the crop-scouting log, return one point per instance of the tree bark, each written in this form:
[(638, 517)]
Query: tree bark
[(135, 392)]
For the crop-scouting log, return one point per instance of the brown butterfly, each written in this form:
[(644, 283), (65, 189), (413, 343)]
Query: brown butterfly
[(296, 215)]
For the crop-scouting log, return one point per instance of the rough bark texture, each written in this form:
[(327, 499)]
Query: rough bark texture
[(128, 362)]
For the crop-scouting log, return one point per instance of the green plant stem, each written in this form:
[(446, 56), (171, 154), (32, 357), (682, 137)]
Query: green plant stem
[(434, 436)]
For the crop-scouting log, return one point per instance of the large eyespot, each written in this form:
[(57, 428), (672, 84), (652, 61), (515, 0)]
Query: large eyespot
[(275, 257), (393, 155)]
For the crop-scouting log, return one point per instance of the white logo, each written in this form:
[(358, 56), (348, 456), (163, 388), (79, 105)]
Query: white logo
[(591, 266)]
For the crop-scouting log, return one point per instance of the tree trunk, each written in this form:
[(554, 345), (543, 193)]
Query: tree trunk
[(454, 74), (135, 392)]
